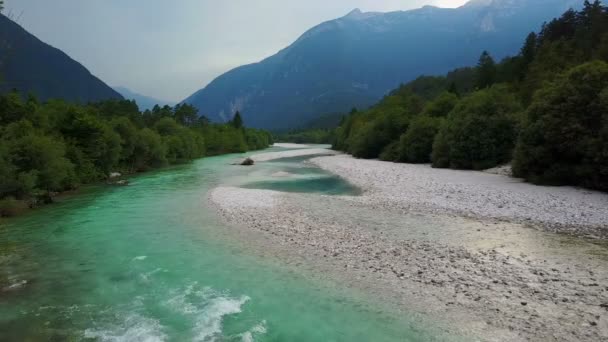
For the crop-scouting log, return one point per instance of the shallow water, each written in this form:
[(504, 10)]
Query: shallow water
[(149, 262), (296, 175)]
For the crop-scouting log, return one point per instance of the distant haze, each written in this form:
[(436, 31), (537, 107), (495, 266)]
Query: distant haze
[(168, 50)]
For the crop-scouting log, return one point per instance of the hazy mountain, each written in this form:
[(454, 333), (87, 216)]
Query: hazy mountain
[(143, 102), (356, 59), (30, 65)]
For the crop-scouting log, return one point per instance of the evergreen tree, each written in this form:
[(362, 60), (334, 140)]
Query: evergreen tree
[(237, 120), (486, 71), (453, 89)]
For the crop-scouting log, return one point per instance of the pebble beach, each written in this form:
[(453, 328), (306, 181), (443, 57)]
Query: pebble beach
[(489, 256)]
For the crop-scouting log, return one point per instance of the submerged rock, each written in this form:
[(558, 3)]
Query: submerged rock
[(120, 182), (115, 175)]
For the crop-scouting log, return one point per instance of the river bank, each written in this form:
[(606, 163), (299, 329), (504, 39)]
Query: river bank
[(453, 246)]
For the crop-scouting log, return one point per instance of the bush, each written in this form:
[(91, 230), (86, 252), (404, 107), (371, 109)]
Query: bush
[(480, 132), (416, 145), (565, 137), (391, 152)]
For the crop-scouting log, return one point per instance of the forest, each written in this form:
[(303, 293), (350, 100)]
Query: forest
[(544, 110), (56, 146)]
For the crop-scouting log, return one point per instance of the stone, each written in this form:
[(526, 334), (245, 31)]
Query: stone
[(248, 162)]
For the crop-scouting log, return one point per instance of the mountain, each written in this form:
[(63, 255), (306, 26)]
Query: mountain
[(357, 59), (143, 102), (32, 66)]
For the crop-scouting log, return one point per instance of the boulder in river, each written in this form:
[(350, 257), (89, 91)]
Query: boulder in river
[(248, 162)]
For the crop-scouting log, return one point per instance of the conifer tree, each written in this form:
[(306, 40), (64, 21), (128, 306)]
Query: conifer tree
[(237, 121), (486, 71)]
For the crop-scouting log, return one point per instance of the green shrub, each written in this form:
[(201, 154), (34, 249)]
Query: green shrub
[(565, 136), (390, 152), (480, 132), (416, 145)]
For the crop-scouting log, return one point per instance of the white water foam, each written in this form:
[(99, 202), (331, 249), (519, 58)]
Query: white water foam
[(259, 329), (140, 258), (14, 286), (209, 323), (204, 307), (207, 309), (145, 277), (134, 328)]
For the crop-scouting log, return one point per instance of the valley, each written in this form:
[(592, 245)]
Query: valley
[(424, 170)]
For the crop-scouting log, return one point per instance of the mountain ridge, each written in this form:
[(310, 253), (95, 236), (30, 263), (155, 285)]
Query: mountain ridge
[(143, 102), (29, 65), (343, 62)]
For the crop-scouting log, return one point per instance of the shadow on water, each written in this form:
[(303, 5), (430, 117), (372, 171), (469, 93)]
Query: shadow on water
[(295, 174), (329, 185)]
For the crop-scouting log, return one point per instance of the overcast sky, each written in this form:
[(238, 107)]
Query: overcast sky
[(170, 49)]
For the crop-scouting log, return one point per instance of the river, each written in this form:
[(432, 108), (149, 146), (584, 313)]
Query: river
[(152, 262)]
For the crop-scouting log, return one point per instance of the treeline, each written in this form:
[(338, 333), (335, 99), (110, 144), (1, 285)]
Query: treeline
[(545, 110), (56, 146), (317, 131), (308, 136)]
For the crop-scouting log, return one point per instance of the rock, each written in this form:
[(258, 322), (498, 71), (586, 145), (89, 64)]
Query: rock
[(247, 162)]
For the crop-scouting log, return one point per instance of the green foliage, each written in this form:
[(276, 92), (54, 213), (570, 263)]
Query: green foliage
[(565, 138), (390, 152), (312, 136), (441, 106), (416, 145), (237, 120), (480, 131), (55, 146), (486, 71)]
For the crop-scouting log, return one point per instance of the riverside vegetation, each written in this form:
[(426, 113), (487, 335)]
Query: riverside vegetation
[(56, 146), (544, 110)]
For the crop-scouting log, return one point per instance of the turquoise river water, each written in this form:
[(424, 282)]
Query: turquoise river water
[(148, 262)]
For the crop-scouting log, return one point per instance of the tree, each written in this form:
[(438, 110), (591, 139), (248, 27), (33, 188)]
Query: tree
[(441, 106), (486, 71), (453, 89), (185, 114), (565, 137), (237, 120), (527, 55), (40, 163), (480, 132), (416, 145), (528, 51)]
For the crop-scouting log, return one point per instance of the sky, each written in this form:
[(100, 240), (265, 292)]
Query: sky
[(170, 49)]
